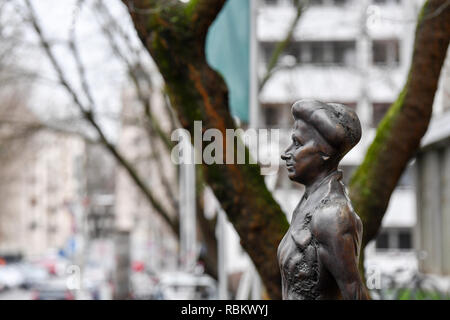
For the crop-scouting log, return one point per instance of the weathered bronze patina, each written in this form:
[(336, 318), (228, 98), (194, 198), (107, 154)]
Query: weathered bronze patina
[(319, 254)]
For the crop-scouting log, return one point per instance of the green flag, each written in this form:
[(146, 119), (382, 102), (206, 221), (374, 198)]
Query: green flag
[(227, 51)]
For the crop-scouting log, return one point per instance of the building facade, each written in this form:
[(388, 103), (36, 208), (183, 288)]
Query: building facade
[(432, 237), (41, 193), (151, 239)]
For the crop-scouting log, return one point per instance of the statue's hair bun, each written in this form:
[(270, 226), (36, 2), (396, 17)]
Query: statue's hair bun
[(338, 124)]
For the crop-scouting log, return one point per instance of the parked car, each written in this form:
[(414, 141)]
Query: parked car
[(52, 289), (32, 274), (186, 286), (54, 264), (95, 281), (10, 277), (142, 285)]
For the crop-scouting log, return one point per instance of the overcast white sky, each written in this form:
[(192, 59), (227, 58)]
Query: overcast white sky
[(104, 72)]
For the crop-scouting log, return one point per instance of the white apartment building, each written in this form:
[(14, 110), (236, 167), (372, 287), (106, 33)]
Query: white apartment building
[(41, 193), (431, 236)]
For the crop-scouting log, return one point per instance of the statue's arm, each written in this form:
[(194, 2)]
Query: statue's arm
[(339, 237)]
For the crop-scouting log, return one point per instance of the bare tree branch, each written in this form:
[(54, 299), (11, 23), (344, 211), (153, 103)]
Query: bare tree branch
[(136, 72), (89, 116), (282, 45)]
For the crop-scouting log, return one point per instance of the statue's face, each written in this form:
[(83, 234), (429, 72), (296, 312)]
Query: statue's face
[(303, 157)]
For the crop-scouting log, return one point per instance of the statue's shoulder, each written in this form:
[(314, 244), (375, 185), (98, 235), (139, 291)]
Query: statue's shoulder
[(336, 218), (334, 215)]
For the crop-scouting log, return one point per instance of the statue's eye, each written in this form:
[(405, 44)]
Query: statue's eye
[(296, 142)]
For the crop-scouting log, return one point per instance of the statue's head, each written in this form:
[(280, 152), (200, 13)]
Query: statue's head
[(323, 133)]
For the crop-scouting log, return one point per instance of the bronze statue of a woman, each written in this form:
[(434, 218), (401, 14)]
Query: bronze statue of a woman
[(319, 254)]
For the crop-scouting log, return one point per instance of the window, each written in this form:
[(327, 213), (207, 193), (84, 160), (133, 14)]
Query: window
[(272, 115), (267, 49), (316, 52), (385, 52), (305, 55), (382, 241), (386, 1), (291, 51), (290, 55), (330, 52), (378, 112), (271, 2), (52, 229), (404, 240), (327, 2), (344, 52), (394, 238), (33, 225)]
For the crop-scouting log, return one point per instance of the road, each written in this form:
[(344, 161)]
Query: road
[(16, 294)]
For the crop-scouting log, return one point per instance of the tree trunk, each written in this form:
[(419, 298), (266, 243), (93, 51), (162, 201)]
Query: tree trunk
[(175, 34)]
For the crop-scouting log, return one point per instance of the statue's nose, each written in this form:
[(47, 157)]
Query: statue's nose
[(284, 156)]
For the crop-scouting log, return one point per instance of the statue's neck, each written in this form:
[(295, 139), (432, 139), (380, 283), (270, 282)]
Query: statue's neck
[(320, 179)]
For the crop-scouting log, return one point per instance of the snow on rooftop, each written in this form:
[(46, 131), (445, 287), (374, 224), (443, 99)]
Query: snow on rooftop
[(389, 21), (385, 85), (391, 263), (332, 22), (331, 84), (309, 82), (439, 129), (401, 211), (315, 24)]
